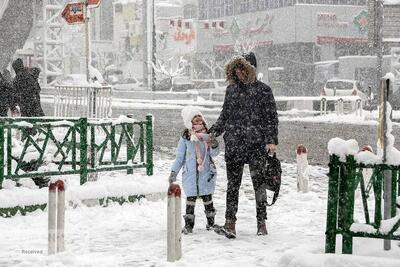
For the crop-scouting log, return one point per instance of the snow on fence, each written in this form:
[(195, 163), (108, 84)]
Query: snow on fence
[(346, 171), (51, 146), (82, 101)]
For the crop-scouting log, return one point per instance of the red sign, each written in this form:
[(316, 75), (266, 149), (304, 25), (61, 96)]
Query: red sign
[(73, 13), (93, 3)]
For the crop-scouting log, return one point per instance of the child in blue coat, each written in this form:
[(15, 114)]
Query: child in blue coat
[(194, 155)]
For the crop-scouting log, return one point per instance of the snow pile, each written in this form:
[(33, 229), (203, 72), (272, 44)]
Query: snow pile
[(342, 148), (301, 259), (392, 154), (121, 186), (28, 183)]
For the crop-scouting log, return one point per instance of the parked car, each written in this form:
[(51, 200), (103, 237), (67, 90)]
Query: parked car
[(182, 84), (129, 84), (163, 85), (341, 87), (75, 79)]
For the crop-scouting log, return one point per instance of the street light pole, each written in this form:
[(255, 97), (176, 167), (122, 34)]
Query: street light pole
[(87, 40)]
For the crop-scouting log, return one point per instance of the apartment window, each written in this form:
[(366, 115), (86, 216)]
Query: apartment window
[(259, 4), (244, 6), (228, 7), (216, 9), (203, 9)]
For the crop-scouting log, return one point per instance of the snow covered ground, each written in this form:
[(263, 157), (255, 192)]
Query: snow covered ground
[(134, 234)]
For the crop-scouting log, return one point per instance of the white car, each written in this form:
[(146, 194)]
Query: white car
[(342, 87), (76, 80)]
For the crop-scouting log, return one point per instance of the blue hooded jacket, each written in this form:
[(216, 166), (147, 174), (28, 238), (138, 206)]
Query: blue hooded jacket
[(195, 183)]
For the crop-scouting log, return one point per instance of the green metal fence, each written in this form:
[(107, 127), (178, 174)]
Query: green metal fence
[(54, 146), (344, 180)]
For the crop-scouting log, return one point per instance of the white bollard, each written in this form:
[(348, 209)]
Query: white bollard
[(174, 241), (56, 217), (359, 107), (340, 107), (302, 169)]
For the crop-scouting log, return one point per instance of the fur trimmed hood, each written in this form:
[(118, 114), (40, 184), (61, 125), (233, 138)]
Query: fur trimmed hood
[(239, 61)]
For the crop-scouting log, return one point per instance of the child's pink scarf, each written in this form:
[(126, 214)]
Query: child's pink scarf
[(196, 136)]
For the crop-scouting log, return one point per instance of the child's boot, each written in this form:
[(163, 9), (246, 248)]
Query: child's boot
[(189, 224), (210, 215)]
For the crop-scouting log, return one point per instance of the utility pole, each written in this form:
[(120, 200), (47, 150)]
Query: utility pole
[(383, 88), (154, 46), (87, 40), (144, 39)]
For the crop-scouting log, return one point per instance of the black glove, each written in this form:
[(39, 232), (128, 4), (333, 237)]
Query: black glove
[(172, 177), (213, 141)]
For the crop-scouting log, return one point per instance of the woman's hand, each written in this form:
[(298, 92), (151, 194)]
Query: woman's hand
[(272, 148)]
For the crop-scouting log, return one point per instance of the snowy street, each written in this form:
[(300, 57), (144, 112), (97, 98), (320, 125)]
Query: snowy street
[(135, 234)]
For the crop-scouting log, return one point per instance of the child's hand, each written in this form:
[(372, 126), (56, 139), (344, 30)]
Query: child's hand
[(213, 142), (172, 177)]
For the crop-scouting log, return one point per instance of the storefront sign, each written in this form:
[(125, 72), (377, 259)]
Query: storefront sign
[(361, 21), (187, 37), (329, 20), (321, 40)]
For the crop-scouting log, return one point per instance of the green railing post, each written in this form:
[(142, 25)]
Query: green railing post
[(92, 147), (129, 145), (9, 150), (330, 234), (349, 181), (1, 153), (73, 145), (83, 150), (394, 193), (377, 185), (113, 142), (149, 144), (364, 197)]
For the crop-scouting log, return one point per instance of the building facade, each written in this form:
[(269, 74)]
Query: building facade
[(287, 36)]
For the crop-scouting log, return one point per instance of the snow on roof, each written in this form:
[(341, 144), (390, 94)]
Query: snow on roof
[(341, 80), (327, 62), (391, 2)]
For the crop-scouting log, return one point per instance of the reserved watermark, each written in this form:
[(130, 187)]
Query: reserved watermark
[(32, 251)]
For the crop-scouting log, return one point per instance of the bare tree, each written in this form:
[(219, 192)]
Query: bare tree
[(169, 68), (212, 64), (244, 45)]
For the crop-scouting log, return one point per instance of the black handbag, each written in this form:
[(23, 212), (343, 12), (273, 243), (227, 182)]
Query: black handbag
[(272, 176)]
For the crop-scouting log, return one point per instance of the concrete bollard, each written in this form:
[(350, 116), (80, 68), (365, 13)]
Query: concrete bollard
[(174, 241), (302, 169), (359, 108), (340, 107), (56, 217)]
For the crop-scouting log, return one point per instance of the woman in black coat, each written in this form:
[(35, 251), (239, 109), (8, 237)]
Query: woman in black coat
[(7, 94), (250, 122), (28, 90)]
